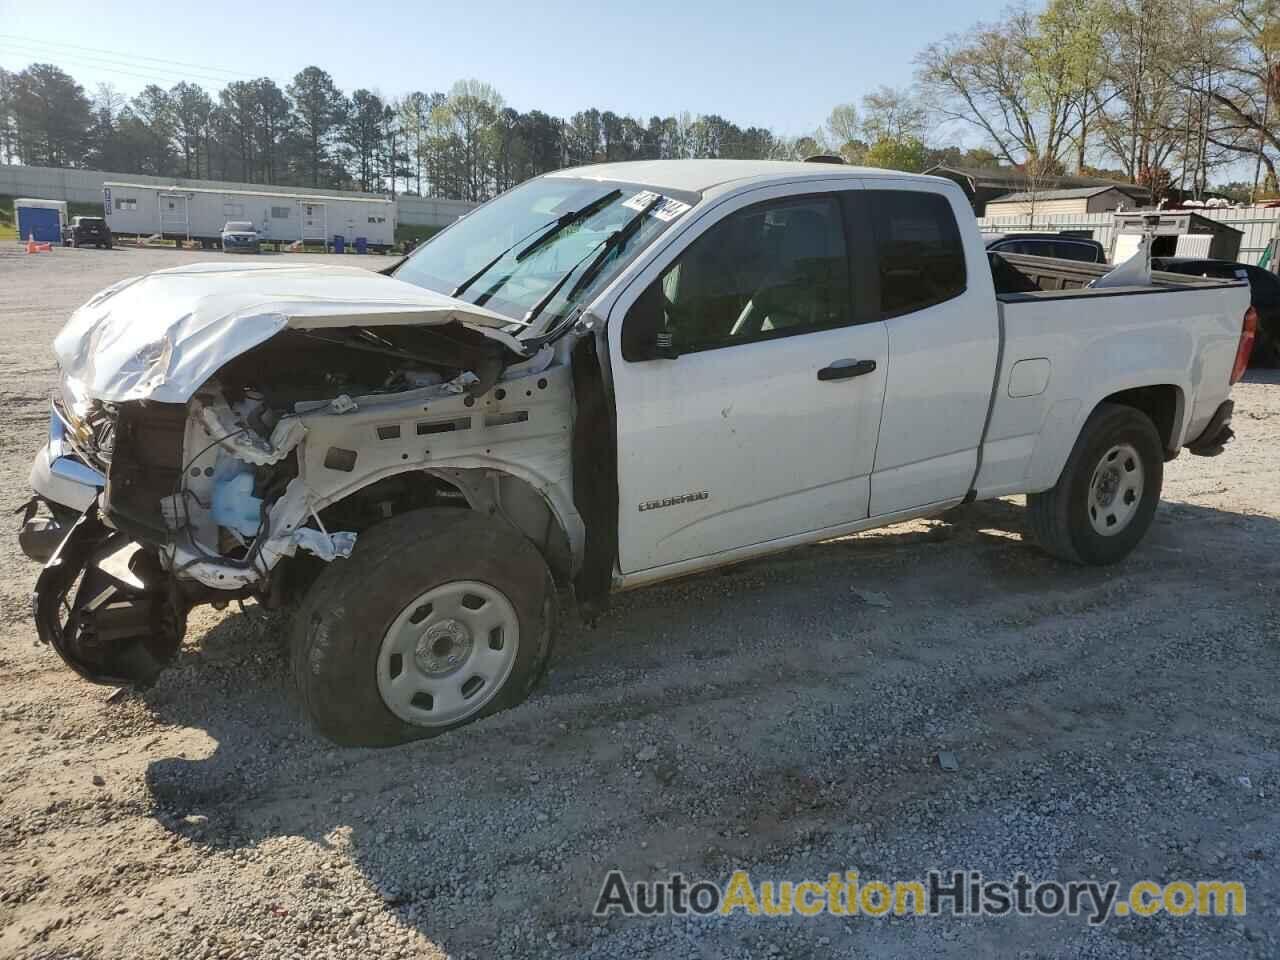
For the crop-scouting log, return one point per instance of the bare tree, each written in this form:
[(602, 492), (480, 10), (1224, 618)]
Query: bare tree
[(1007, 81), (896, 114), (1140, 125)]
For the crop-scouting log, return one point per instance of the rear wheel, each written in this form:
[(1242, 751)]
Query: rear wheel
[(439, 617), (1107, 494)]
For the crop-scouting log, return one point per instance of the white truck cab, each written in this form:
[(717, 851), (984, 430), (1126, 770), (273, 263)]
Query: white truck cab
[(606, 377)]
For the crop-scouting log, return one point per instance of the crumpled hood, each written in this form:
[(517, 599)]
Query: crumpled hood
[(162, 335)]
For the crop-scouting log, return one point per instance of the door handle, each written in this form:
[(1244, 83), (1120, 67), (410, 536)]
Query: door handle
[(846, 369)]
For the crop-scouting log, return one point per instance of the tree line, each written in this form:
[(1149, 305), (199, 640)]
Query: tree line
[(465, 143), (1160, 92)]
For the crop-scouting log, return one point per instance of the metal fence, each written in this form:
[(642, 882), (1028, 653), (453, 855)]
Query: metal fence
[(1259, 225)]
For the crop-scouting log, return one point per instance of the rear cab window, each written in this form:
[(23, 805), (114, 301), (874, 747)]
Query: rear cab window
[(919, 250)]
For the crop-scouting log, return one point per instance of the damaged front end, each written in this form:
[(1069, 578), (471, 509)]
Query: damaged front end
[(206, 493), (107, 607)]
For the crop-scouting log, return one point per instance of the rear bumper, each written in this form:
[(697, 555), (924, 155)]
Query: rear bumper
[(1216, 435)]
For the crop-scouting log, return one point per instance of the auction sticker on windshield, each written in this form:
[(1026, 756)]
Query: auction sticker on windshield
[(666, 211)]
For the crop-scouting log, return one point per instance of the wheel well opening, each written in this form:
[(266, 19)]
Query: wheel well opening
[(389, 497), (1161, 403), (485, 491)]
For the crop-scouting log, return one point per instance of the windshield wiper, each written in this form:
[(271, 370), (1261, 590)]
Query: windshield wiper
[(615, 243), (568, 220), (552, 229), (603, 250)]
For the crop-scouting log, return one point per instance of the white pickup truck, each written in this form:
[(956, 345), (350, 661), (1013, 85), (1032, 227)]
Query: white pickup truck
[(604, 378)]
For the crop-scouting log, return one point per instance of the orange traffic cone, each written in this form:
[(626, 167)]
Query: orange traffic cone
[(31, 243)]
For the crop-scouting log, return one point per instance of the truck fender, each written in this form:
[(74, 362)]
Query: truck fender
[(1164, 403), (520, 503)]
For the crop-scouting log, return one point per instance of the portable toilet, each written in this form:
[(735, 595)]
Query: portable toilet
[(42, 219)]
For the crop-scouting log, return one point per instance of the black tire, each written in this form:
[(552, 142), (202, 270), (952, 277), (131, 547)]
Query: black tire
[(1265, 351), (339, 628), (1060, 517)]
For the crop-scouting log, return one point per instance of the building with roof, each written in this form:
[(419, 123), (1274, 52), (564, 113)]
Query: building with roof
[(1072, 200), (984, 185)]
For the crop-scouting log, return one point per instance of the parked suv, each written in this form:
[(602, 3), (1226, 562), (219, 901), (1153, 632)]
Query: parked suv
[(86, 231), (240, 236), (1056, 245), (1264, 294)]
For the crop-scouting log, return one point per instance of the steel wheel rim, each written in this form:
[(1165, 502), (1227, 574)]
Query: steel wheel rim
[(1115, 490), (448, 653)]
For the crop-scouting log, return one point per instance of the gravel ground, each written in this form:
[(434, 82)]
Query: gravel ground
[(784, 717)]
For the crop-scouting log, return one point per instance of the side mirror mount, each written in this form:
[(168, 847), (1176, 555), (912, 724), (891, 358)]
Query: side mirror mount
[(644, 332), (664, 347)]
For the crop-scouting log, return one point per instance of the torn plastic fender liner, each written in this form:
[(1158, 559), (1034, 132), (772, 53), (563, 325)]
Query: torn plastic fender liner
[(126, 620)]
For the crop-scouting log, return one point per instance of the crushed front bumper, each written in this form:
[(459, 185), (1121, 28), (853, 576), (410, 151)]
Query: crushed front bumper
[(63, 482), (107, 607)]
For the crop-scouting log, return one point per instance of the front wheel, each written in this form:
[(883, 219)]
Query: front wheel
[(439, 617), (1107, 494)]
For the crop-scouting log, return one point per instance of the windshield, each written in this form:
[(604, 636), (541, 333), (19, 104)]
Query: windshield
[(519, 279), (244, 225)]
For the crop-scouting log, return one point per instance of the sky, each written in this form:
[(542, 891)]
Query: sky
[(781, 65)]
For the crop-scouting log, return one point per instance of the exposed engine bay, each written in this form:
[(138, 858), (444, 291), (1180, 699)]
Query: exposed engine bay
[(274, 466)]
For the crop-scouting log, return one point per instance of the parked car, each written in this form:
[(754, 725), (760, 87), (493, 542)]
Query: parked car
[(1264, 290), (604, 378), (240, 236), (1048, 245), (85, 232)]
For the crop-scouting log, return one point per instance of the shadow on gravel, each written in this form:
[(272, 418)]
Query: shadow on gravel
[(690, 730)]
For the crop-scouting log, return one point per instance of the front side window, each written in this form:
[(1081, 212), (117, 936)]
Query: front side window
[(921, 257), (775, 269), (487, 252)]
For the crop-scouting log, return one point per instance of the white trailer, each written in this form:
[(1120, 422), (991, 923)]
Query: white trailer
[(197, 214)]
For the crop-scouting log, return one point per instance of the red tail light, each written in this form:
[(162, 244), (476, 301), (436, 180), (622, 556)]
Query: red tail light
[(1248, 332)]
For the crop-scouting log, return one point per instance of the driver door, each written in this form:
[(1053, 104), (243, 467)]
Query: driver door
[(748, 374)]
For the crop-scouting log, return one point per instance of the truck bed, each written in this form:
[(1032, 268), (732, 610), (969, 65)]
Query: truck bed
[(1059, 357), (1022, 278)]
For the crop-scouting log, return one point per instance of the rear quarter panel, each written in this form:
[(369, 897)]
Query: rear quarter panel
[(1097, 344)]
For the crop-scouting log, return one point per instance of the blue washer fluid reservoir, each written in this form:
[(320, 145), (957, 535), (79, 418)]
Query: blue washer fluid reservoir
[(234, 505)]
